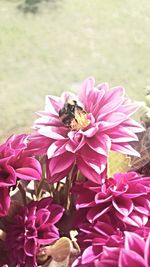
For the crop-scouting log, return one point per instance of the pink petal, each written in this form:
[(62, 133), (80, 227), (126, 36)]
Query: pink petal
[(52, 104), (140, 219), (96, 212), (133, 125), (56, 213), (76, 263), (91, 131), (130, 258), (93, 159), (75, 145), (142, 205), (104, 229), (103, 86), (100, 143), (28, 174), (88, 255), (127, 220), (56, 148), (121, 131), (102, 197), (65, 96), (56, 133), (110, 252), (112, 100), (97, 98), (28, 169), (42, 216), (86, 89), (7, 176), (128, 108), (134, 242), (105, 263), (60, 163), (44, 203), (50, 236), (58, 176), (30, 247), (147, 251), (123, 205), (86, 199), (46, 119), (112, 120), (125, 149), (37, 145), (121, 134), (134, 219), (87, 171)]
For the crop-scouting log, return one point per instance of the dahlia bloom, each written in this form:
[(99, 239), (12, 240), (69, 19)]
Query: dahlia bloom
[(14, 164), (93, 237), (135, 253), (31, 227), (125, 198), (128, 249), (82, 129)]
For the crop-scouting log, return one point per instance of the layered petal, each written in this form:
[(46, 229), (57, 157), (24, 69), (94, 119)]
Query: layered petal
[(30, 227), (96, 120), (29, 169), (17, 163)]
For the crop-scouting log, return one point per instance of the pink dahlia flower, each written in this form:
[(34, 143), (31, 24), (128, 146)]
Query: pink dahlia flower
[(125, 197), (92, 238), (14, 164), (31, 227), (131, 250), (135, 253), (82, 129)]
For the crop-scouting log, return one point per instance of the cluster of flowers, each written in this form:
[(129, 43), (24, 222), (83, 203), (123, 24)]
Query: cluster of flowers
[(55, 182)]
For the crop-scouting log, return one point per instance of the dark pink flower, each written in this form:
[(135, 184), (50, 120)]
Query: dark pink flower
[(93, 237), (135, 253), (14, 164), (125, 197), (31, 227), (104, 212), (131, 250), (82, 130)]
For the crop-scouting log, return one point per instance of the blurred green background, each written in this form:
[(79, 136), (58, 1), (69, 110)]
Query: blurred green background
[(48, 46)]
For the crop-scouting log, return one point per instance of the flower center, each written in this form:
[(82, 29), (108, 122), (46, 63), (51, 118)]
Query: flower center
[(73, 116)]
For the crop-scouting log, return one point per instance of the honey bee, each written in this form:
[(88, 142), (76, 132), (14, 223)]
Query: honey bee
[(73, 116)]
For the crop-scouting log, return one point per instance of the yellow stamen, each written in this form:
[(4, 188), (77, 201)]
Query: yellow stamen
[(80, 121)]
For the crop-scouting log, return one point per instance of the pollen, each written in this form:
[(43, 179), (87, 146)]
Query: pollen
[(73, 116), (80, 121)]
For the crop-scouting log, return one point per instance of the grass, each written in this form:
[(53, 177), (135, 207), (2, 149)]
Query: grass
[(49, 46)]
